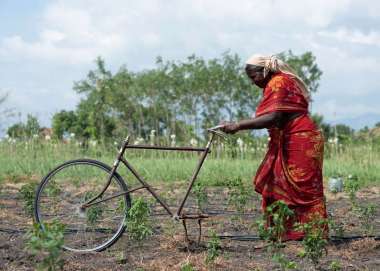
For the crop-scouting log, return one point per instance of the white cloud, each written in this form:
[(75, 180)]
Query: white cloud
[(72, 33), (78, 31), (353, 36)]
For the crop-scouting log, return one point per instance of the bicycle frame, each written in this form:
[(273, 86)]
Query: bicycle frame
[(144, 185)]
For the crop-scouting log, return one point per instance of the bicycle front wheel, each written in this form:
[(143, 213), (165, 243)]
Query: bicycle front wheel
[(66, 188)]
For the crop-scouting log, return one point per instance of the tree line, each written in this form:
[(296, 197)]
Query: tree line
[(174, 97)]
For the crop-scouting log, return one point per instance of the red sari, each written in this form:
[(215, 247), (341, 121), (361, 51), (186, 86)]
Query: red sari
[(292, 168)]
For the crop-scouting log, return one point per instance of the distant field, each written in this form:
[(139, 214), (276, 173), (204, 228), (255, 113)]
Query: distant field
[(23, 159)]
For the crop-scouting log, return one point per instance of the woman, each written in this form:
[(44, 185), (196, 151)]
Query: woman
[(292, 168)]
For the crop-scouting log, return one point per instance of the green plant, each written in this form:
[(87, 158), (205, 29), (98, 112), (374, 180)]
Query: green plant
[(199, 190), (1, 184), (52, 190), (13, 177), (138, 224), (273, 226), (284, 263), (352, 186), (94, 212), (27, 192), (213, 247), (335, 266), (48, 243), (238, 194), (338, 228), (367, 215), (314, 242), (272, 229), (121, 257), (187, 267)]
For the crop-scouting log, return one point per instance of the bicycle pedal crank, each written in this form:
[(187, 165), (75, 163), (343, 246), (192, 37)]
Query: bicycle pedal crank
[(80, 211)]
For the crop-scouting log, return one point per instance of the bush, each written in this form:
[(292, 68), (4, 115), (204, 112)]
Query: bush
[(238, 194), (199, 190), (278, 213), (28, 192), (94, 212), (138, 224), (187, 267), (47, 243), (213, 248), (367, 217), (314, 241)]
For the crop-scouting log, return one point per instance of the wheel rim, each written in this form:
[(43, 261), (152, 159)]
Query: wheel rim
[(63, 192)]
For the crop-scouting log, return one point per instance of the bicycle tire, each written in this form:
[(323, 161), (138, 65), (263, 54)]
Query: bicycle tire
[(77, 199)]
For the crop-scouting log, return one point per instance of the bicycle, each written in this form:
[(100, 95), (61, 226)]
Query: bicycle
[(94, 213)]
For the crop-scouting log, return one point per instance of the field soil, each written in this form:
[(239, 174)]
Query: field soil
[(167, 250)]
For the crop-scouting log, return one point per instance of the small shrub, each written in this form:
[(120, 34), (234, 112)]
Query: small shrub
[(366, 213), (272, 229), (276, 216), (12, 177), (1, 185), (28, 192), (94, 212), (367, 217), (187, 267), (121, 257), (52, 189), (335, 266), (138, 224), (238, 194), (314, 241), (47, 243), (352, 186), (213, 248), (338, 228), (283, 262), (200, 193)]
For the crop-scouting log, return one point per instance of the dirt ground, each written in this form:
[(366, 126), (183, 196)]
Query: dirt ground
[(166, 249)]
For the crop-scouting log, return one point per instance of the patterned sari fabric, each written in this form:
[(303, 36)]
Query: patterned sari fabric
[(292, 168)]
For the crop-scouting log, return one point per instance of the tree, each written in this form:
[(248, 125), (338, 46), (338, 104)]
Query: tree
[(326, 128), (4, 112), (24, 131), (32, 126), (343, 129), (174, 97), (96, 107), (16, 131), (64, 121), (305, 66)]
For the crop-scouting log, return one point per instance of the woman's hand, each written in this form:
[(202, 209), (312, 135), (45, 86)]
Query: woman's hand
[(229, 127)]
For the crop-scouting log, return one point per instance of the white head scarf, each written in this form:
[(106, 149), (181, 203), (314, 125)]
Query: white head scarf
[(274, 64)]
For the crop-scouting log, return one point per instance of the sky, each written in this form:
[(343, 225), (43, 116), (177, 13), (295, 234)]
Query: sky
[(47, 45)]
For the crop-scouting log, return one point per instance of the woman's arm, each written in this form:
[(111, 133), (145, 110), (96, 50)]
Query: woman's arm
[(264, 121), (277, 119)]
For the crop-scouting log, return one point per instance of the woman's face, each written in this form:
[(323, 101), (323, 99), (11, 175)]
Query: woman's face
[(256, 74)]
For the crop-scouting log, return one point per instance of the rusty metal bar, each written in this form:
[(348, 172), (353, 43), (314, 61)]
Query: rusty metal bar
[(146, 185), (195, 175), (149, 147), (112, 197)]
